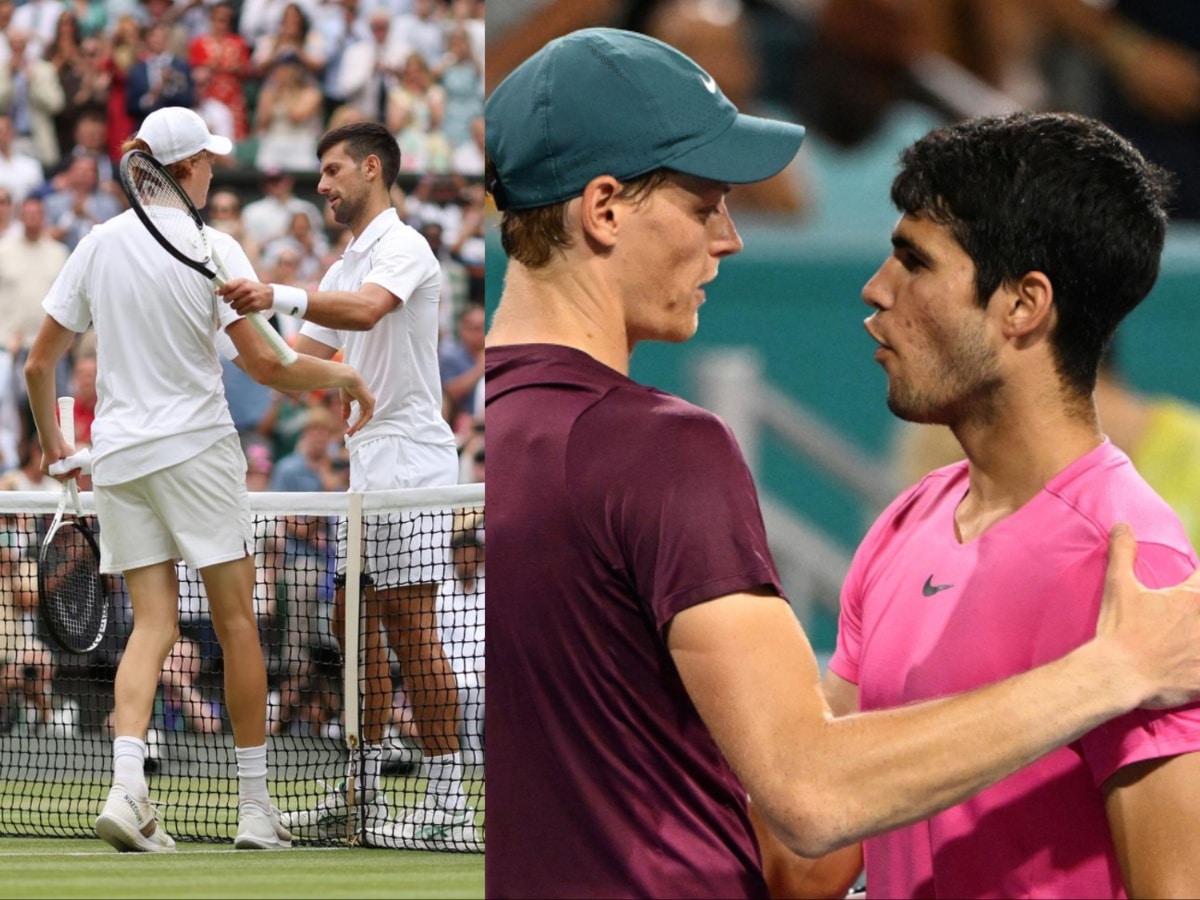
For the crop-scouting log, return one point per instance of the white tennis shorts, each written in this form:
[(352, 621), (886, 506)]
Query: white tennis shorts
[(402, 548), (197, 511)]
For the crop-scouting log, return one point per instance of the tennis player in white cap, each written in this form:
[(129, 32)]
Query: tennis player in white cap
[(167, 467)]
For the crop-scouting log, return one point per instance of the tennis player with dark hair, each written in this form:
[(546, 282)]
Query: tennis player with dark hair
[(645, 672), (1023, 242), (380, 303), (168, 471)]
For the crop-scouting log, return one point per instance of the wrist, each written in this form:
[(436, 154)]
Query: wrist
[(291, 301)]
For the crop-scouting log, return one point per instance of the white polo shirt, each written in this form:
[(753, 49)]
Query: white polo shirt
[(158, 375), (398, 357)]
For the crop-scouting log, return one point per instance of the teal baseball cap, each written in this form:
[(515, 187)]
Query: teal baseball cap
[(603, 101)]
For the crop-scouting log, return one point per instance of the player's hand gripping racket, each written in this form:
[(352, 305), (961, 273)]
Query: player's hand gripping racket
[(72, 600), (170, 216)]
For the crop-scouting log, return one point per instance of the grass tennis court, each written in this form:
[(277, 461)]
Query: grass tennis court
[(46, 867)]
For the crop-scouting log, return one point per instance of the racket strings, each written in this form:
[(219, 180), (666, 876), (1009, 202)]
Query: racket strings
[(74, 600), (168, 209)]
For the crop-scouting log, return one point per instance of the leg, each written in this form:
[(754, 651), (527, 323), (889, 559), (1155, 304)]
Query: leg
[(154, 596), (411, 616), (128, 821), (230, 590)]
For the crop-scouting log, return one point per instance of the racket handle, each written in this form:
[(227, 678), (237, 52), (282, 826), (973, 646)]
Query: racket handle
[(66, 419), (285, 353)]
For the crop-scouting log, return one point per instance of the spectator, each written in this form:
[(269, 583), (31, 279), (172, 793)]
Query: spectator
[(313, 244), (184, 705), (90, 140), (150, 13), (268, 217), (8, 222), (288, 119), (31, 93), (461, 364), (311, 467), (83, 389), (28, 475), (468, 15), (226, 57), (92, 16), (159, 79), (116, 63), (339, 25), (39, 18), (461, 77), (415, 109), (20, 174), (225, 214), (467, 157), (294, 39), (263, 17), (81, 205), (454, 279), (29, 263), (423, 29), (63, 52), (368, 68), (26, 665), (461, 625), (282, 260), (216, 115)]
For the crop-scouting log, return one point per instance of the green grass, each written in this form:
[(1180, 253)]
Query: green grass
[(86, 868)]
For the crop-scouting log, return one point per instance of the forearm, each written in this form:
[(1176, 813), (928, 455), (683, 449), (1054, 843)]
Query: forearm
[(884, 769), (308, 373), (344, 310)]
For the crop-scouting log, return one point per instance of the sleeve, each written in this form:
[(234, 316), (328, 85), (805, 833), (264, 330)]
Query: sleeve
[(402, 271), (68, 302), (1146, 733), (672, 508), (847, 654)]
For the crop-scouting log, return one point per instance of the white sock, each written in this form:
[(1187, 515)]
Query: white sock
[(129, 761), (444, 777), (368, 776), (252, 775)]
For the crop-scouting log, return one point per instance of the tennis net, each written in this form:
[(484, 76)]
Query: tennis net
[(55, 707)]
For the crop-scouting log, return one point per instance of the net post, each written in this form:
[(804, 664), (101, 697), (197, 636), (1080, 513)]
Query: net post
[(350, 671)]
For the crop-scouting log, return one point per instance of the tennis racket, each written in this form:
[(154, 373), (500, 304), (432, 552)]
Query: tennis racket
[(72, 600), (172, 219)]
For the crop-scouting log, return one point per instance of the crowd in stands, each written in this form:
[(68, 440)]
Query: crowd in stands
[(77, 77)]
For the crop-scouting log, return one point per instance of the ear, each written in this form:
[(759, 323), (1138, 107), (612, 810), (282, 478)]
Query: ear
[(1029, 305), (599, 210), (372, 167)]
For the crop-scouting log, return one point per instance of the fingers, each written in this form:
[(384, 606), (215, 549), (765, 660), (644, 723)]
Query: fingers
[(1122, 550)]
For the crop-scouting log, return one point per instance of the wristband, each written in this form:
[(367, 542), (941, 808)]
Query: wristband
[(291, 301)]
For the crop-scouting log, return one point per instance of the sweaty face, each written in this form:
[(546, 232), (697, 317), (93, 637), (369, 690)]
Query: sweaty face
[(937, 344), (670, 247)]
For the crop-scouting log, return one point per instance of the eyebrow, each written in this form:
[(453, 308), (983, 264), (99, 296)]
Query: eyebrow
[(900, 242)]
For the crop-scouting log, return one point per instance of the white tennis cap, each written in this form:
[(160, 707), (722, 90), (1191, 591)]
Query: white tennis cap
[(176, 132)]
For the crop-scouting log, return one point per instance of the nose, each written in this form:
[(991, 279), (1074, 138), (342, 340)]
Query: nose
[(725, 239), (322, 187), (875, 292)]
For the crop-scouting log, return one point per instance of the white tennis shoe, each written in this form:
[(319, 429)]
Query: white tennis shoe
[(428, 828), (132, 825), (328, 819), (261, 829)]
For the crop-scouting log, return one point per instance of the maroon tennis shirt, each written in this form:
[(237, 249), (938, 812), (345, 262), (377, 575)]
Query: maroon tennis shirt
[(611, 507)]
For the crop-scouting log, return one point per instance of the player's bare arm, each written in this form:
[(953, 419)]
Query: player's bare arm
[(1154, 813), (822, 782), (348, 310), (307, 373), (51, 343)]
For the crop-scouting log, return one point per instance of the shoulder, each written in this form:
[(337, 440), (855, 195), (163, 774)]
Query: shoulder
[(1103, 488)]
